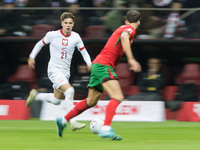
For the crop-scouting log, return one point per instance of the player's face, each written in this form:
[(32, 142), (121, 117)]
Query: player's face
[(67, 25)]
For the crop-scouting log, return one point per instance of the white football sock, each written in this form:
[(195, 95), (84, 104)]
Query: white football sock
[(64, 121), (69, 97), (49, 97)]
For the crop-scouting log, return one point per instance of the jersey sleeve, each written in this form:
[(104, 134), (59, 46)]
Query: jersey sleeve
[(44, 41), (48, 37), (80, 46)]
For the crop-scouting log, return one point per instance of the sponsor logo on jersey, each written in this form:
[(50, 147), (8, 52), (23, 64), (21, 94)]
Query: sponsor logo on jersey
[(64, 42)]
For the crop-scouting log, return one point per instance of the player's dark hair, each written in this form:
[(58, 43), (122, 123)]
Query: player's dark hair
[(132, 16), (67, 15)]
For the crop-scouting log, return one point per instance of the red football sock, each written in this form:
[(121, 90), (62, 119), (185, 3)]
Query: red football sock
[(110, 111), (78, 109)]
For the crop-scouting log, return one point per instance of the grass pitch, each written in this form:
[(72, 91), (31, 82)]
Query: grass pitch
[(41, 135)]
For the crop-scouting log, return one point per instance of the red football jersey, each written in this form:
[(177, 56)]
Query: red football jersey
[(113, 51)]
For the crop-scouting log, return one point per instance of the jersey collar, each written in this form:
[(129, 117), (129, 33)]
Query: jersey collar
[(63, 33)]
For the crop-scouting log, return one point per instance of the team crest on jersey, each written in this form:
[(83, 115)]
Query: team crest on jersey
[(64, 42), (130, 30)]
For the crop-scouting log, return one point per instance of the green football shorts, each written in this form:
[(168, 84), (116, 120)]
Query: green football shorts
[(99, 74)]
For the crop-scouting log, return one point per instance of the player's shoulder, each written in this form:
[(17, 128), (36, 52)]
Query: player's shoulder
[(75, 36), (53, 33), (128, 28), (73, 33)]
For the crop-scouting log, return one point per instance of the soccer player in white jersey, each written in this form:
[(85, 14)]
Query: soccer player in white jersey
[(62, 45)]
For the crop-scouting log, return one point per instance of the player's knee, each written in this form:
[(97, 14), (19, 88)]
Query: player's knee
[(69, 91)]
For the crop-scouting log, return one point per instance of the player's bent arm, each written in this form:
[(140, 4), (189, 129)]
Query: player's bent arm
[(126, 45), (38, 46), (35, 51), (86, 57), (134, 65)]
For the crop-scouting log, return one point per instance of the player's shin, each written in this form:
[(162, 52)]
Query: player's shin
[(69, 97), (110, 111)]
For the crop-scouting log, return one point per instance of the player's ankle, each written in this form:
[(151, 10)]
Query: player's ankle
[(64, 121), (106, 128)]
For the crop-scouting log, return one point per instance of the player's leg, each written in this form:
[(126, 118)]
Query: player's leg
[(58, 79), (48, 97), (90, 101), (112, 87), (69, 97), (62, 87)]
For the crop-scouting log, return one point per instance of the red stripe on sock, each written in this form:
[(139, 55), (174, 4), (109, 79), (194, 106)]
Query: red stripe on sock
[(78, 109), (110, 111)]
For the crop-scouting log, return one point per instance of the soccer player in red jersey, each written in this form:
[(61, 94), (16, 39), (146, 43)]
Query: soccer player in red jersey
[(103, 76)]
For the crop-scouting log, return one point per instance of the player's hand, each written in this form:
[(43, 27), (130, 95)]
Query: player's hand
[(31, 63), (134, 65)]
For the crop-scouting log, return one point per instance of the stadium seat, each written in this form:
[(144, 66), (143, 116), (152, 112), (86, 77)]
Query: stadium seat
[(168, 74), (133, 89), (41, 29), (126, 77), (170, 93), (190, 71), (24, 73), (190, 74), (95, 31)]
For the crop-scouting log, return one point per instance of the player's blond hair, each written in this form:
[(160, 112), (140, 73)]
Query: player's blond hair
[(67, 15), (133, 16)]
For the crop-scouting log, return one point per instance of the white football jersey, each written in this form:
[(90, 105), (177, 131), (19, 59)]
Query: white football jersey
[(62, 48)]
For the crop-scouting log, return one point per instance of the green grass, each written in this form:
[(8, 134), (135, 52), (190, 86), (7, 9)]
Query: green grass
[(41, 135)]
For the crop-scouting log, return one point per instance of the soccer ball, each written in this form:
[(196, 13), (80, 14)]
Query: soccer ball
[(95, 125)]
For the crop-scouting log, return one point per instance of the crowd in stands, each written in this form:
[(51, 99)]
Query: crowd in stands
[(167, 24)]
